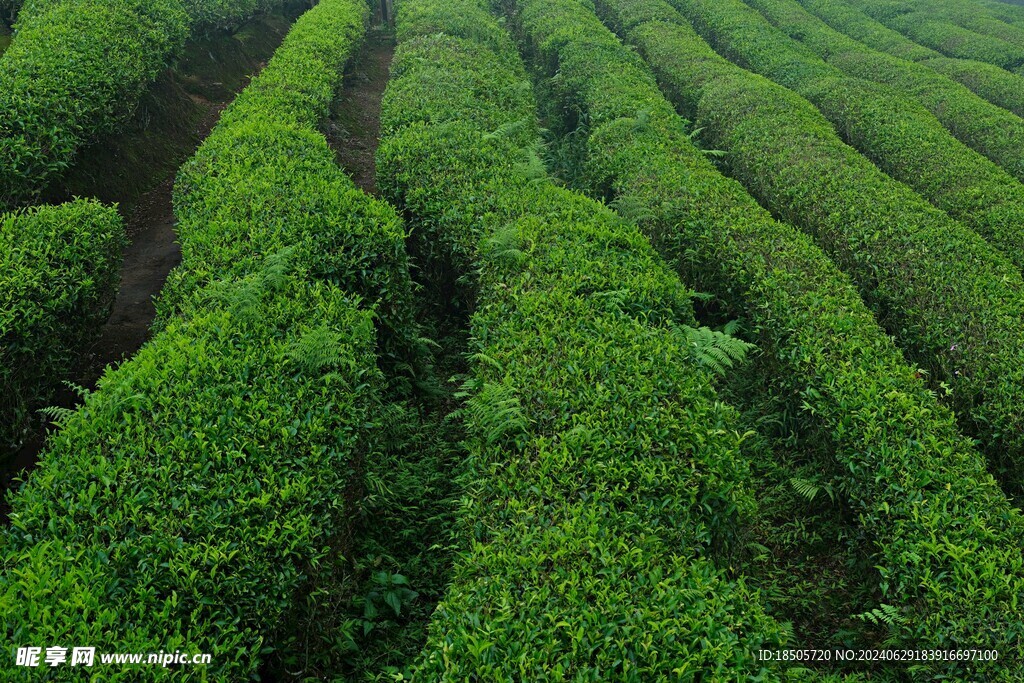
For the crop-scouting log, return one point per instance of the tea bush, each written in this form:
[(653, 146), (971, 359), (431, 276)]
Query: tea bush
[(932, 30), (886, 429), (998, 86), (897, 133), (266, 178), (950, 300), (195, 498), (77, 68), (50, 110), (59, 272), (984, 127), (201, 498), (603, 468), (970, 16)]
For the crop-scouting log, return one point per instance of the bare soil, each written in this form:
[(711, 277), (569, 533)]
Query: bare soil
[(353, 130), (135, 169)]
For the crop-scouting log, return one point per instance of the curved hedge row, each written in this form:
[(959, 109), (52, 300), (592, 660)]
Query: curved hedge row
[(198, 498), (998, 86), (993, 83), (982, 126), (932, 30), (202, 14), (896, 133), (603, 465), (59, 273), (266, 178), (968, 15), (192, 501), (76, 68), (828, 352), (1012, 14), (952, 301), (48, 110), (859, 26)]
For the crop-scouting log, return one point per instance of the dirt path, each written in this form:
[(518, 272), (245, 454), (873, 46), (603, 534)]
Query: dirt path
[(179, 113), (152, 253), (5, 35), (174, 119), (354, 127), (148, 260)]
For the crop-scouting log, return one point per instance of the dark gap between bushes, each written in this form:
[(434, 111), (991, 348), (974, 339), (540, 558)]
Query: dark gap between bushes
[(398, 548)]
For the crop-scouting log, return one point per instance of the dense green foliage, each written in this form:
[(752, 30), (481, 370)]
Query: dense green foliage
[(1007, 11), (266, 179), (215, 14), (202, 14), (59, 272), (951, 301), (967, 14), (48, 110), (859, 26), (829, 354), (255, 485), (203, 496), (895, 132), (981, 125), (603, 467), (998, 86), (76, 68), (192, 503), (927, 27)]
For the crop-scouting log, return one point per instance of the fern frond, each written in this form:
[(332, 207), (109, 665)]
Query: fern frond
[(469, 386), (276, 268), (507, 130), (717, 351), (316, 350), (614, 300), (805, 487), (79, 391), (633, 210), (694, 136), (532, 165), (642, 120), (58, 415), (732, 328), (504, 245), (427, 341), (883, 614), (487, 360), (497, 412)]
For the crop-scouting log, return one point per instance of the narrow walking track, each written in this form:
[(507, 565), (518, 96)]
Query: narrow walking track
[(149, 258), (354, 128), (177, 115), (406, 532)]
